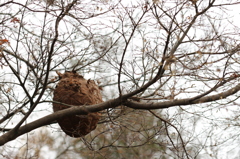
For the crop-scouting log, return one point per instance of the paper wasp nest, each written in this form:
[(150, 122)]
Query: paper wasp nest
[(74, 90)]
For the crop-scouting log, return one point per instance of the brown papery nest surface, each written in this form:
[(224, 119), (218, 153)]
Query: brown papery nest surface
[(74, 90)]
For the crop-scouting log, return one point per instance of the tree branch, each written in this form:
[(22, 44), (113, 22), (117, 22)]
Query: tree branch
[(11, 135), (179, 102)]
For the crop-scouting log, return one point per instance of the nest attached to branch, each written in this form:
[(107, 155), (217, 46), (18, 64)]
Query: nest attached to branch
[(74, 90)]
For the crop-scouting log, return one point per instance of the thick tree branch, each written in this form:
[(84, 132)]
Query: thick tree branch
[(11, 135), (179, 102)]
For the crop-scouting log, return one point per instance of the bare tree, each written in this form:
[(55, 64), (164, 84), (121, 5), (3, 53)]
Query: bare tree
[(169, 73)]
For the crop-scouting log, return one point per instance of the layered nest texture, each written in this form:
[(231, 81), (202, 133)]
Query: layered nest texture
[(74, 90)]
